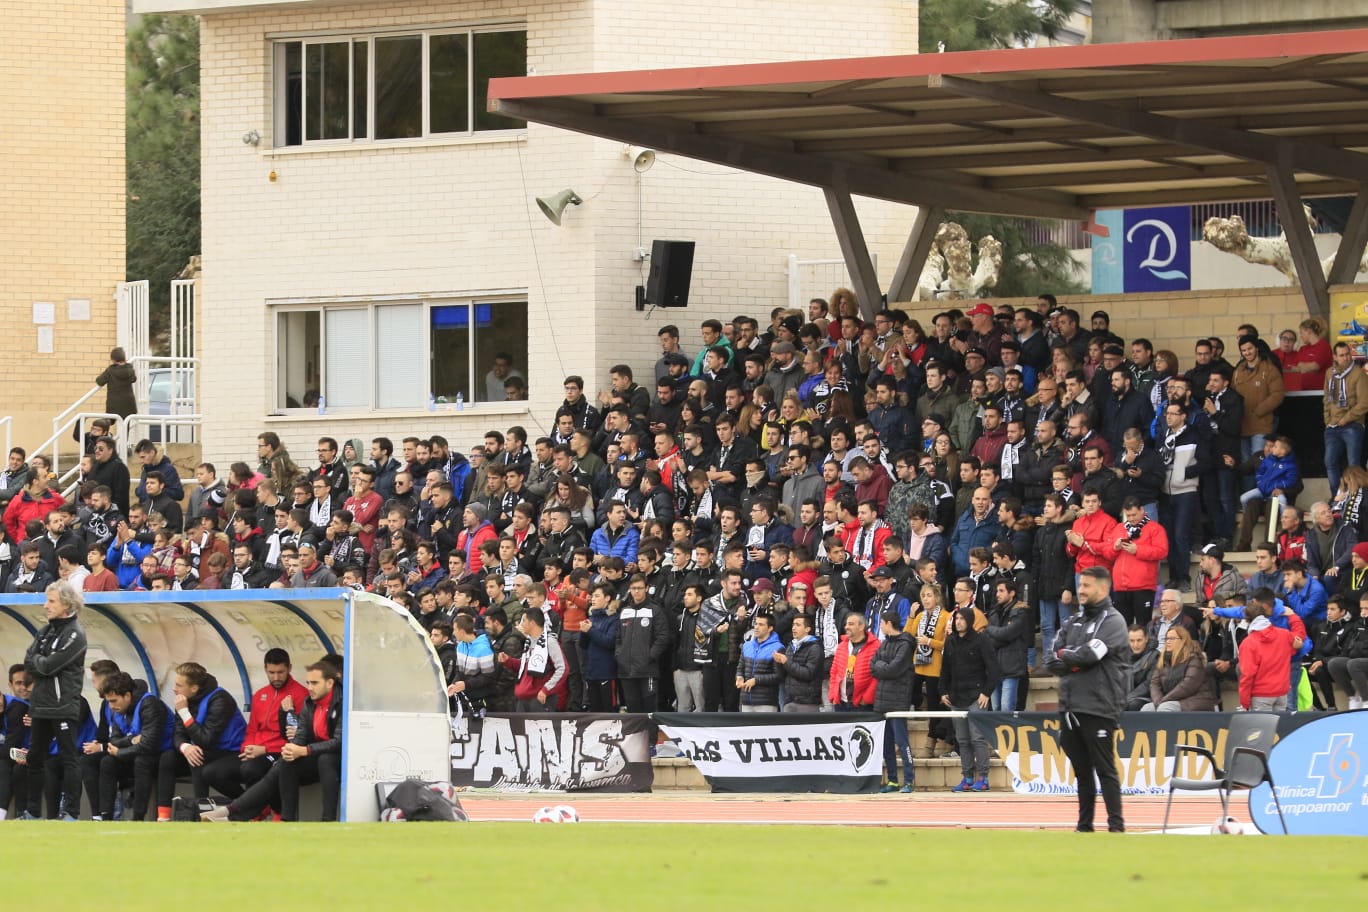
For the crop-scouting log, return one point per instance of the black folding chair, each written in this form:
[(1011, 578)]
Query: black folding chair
[(1248, 740)]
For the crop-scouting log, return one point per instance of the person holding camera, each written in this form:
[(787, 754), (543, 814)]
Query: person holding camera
[(56, 662)]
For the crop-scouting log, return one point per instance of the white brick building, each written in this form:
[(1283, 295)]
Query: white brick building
[(353, 264)]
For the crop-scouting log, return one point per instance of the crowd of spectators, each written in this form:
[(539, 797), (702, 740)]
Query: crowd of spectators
[(823, 513)]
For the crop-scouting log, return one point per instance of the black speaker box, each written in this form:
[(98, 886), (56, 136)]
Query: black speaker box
[(671, 268)]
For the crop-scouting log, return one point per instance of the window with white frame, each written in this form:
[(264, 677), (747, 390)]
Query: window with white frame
[(393, 86), (360, 356)]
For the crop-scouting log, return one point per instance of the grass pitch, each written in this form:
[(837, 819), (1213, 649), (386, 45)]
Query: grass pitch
[(410, 867)]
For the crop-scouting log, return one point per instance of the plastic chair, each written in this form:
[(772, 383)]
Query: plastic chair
[(1248, 740)]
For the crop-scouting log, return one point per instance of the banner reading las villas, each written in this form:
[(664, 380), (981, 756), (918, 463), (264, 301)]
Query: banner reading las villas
[(789, 752)]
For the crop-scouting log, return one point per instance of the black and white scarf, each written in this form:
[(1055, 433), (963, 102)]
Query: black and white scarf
[(1133, 529), (1339, 385), (926, 627), (1011, 456)]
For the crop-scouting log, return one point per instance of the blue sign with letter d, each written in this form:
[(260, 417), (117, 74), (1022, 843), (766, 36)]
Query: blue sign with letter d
[(1157, 249)]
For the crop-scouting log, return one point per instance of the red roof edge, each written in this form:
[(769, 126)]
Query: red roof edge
[(960, 63)]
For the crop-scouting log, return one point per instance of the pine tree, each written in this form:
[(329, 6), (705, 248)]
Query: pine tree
[(1028, 267), (162, 154)]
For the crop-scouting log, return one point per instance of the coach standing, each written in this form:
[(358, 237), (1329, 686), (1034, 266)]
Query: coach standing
[(56, 660), (1091, 659)]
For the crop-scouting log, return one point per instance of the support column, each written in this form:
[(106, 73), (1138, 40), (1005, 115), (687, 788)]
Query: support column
[(1352, 243), (915, 252), (846, 221), (1300, 240)]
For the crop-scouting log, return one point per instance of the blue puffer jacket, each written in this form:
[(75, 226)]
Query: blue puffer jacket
[(1276, 474), (757, 661), (127, 573), (970, 534), (600, 663), (623, 544)]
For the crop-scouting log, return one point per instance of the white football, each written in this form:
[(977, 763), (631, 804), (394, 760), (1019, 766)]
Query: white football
[(560, 813), (1228, 826)]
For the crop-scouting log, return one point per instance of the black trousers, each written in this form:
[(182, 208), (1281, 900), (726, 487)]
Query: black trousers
[(1089, 743), (139, 771), (41, 736), (173, 764), (280, 787), (231, 777), (731, 697), (13, 784), (574, 670), (926, 695), (601, 696), (1322, 682), (1137, 607), (639, 696)]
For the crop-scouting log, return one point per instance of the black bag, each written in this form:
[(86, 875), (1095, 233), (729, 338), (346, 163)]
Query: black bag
[(414, 800), (186, 810)]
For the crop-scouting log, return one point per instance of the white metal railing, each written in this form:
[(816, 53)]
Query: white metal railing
[(165, 423), (133, 326), (64, 417), (181, 400), (7, 423), (808, 279)]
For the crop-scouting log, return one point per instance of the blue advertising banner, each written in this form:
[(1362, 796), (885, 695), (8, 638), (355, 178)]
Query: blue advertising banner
[(1156, 249), (1321, 779), (1107, 275)]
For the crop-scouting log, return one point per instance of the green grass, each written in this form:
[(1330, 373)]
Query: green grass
[(413, 867)]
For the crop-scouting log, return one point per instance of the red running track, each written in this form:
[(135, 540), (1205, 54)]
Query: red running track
[(921, 810)]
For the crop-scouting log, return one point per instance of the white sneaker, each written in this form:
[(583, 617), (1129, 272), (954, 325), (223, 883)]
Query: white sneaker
[(1355, 703), (217, 815)]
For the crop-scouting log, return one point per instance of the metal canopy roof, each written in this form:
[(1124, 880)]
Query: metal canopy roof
[(1044, 132)]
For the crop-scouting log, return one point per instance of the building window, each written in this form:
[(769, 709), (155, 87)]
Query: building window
[(360, 357), (393, 87)]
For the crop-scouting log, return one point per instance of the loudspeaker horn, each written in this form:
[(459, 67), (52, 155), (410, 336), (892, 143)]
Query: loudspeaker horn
[(642, 159), (552, 206)]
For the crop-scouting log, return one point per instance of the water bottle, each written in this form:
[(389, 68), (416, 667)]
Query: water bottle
[(432, 403), (460, 402), (322, 406), (291, 721)]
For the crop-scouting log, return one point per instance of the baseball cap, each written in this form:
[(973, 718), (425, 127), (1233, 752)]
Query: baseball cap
[(1214, 550), (980, 310), (882, 573)]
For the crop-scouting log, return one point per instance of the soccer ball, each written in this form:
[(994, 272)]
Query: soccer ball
[(1228, 826), (560, 813)]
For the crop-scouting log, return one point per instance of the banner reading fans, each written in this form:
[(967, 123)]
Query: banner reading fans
[(564, 752), (796, 752), (1146, 745)]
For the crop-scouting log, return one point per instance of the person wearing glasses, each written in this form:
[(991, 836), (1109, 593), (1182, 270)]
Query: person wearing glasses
[(1170, 615)]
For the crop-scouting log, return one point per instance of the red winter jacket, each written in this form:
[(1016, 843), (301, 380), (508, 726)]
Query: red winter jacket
[(862, 693), (1265, 662), (552, 679), (1100, 533), (1139, 572), (263, 725), (23, 507)]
